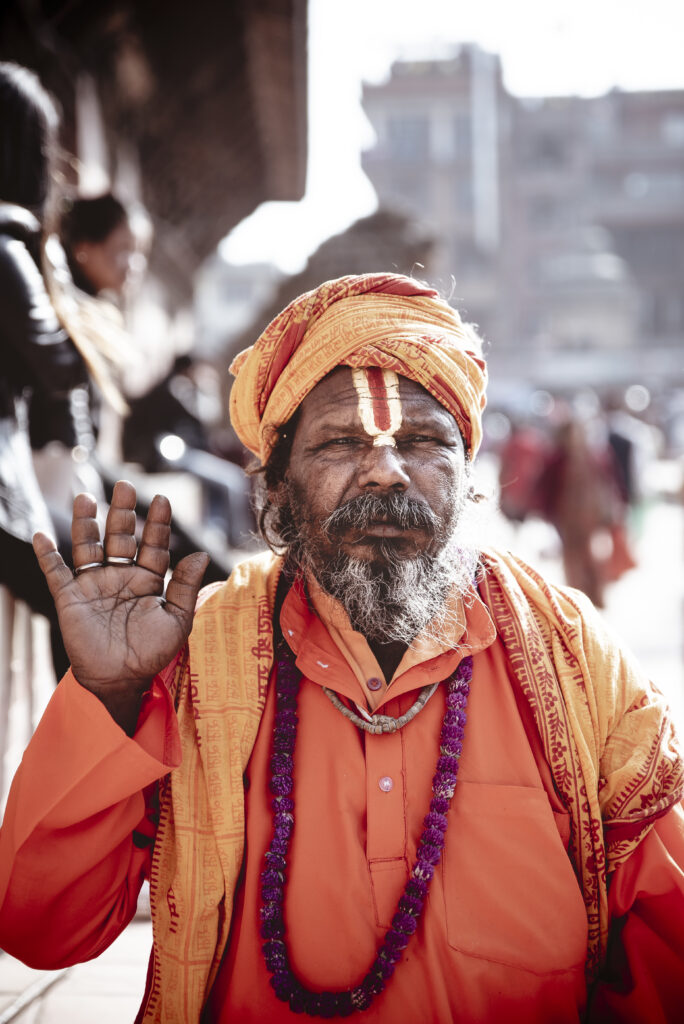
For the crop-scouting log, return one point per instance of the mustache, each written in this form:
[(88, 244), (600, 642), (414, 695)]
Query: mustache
[(394, 509)]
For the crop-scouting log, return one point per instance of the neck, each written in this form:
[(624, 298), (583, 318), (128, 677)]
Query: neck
[(388, 655)]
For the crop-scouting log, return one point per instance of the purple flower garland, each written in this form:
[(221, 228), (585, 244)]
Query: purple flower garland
[(404, 923)]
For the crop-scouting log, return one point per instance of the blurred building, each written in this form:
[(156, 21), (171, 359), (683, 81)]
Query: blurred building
[(385, 240), (227, 299), (560, 221)]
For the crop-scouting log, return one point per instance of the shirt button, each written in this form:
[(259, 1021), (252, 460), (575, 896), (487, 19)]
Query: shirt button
[(374, 683), (386, 783)]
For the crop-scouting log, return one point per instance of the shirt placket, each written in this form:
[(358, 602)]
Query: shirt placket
[(386, 820)]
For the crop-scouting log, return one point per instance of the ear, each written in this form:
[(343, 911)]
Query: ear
[(81, 252)]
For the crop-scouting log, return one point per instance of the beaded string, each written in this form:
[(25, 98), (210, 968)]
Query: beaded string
[(382, 723), (273, 878)]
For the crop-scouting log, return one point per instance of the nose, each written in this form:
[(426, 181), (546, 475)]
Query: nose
[(382, 469)]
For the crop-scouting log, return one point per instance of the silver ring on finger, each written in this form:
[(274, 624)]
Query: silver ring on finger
[(85, 568), (119, 560)]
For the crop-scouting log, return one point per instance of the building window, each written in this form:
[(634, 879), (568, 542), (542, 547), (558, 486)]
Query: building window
[(546, 151), (673, 129), (408, 137), (462, 136), (464, 195), (671, 312), (657, 186), (542, 211), (636, 185)]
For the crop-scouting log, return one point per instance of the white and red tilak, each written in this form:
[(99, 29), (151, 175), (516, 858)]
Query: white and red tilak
[(379, 403)]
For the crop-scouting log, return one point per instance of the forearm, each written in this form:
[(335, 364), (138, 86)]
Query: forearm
[(77, 836)]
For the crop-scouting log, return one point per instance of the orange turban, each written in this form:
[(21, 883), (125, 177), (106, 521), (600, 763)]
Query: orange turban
[(380, 320)]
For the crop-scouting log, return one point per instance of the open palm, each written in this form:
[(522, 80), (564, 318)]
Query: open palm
[(118, 626)]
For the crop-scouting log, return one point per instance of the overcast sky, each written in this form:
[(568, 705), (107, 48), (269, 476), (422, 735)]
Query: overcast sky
[(547, 47)]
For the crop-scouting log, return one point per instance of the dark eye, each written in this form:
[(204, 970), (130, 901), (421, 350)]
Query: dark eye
[(421, 439), (340, 442)]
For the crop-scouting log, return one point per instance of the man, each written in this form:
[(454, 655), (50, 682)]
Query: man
[(403, 777)]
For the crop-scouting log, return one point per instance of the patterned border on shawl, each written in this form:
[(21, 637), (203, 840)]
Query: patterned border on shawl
[(528, 650), (655, 777), (176, 680), (601, 690), (221, 690)]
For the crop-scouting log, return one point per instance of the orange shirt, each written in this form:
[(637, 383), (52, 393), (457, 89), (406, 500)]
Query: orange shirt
[(75, 846), (489, 946)]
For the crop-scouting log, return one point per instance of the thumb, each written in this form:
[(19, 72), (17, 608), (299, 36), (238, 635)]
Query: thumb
[(185, 582), (57, 574)]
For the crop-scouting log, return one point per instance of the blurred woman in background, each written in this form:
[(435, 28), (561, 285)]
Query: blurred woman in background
[(99, 244), (100, 249), (38, 356)]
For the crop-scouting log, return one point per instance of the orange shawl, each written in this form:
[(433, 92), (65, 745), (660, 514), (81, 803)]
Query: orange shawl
[(606, 733)]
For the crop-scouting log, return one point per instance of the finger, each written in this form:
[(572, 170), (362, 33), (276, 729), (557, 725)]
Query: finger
[(119, 540), (153, 553), (85, 532), (183, 588), (57, 574)]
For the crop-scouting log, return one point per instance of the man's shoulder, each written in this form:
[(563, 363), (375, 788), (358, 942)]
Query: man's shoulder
[(506, 563), (530, 594)]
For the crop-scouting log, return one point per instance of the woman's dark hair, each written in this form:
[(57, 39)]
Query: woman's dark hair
[(28, 136), (91, 220)]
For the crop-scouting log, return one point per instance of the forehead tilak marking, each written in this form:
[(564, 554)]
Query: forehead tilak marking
[(379, 403)]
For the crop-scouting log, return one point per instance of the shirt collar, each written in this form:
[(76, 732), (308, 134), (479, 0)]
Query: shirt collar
[(319, 632)]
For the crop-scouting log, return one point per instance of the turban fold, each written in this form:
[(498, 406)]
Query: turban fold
[(380, 320)]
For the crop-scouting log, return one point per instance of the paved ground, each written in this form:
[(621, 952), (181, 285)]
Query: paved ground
[(646, 607), (106, 991)]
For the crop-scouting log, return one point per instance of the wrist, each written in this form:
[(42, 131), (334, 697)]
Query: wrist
[(122, 698), (123, 687)]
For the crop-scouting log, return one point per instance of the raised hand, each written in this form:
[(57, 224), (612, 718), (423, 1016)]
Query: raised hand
[(119, 628)]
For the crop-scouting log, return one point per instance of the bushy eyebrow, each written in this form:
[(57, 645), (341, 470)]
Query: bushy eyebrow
[(426, 424), (427, 420), (412, 424), (332, 424)]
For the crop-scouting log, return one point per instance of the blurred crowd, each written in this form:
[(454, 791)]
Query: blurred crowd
[(65, 271), (580, 465)]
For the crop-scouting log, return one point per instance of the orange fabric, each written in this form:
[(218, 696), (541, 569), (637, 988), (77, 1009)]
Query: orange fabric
[(598, 736), (85, 786), (610, 741), (76, 908), (488, 947), (94, 854), (377, 320), (220, 690), (645, 969)]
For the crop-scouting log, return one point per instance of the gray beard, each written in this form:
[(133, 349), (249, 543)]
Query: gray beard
[(394, 597)]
